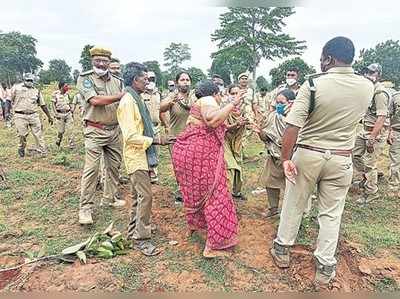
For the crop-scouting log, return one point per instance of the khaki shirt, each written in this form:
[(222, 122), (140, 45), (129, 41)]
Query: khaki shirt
[(341, 99), (90, 85), (26, 99), (152, 101), (61, 101), (274, 129), (179, 113), (262, 102), (395, 117), (379, 106)]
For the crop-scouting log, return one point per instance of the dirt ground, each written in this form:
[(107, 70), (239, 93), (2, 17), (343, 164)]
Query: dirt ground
[(39, 212)]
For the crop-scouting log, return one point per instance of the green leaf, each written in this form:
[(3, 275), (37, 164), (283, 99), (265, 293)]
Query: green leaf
[(75, 248)]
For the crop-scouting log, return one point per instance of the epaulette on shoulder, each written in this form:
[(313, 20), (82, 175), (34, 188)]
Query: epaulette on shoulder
[(117, 77), (314, 76), (86, 73)]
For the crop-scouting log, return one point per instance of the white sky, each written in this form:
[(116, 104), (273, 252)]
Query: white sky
[(138, 30)]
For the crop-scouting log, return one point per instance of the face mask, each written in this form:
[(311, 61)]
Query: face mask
[(100, 72), (28, 84), (171, 88), (291, 81), (221, 88), (373, 78), (183, 88), (151, 86), (280, 109)]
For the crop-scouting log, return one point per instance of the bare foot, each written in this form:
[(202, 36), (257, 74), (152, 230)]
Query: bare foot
[(210, 253)]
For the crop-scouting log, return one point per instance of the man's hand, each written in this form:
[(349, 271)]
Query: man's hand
[(370, 145), (290, 171), (51, 121), (390, 138), (164, 140)]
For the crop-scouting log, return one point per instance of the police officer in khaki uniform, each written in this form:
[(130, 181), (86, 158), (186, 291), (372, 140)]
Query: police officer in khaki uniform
[(291, 82), (372, 138), (62, 111), (322, 122), (25, 100), (243, 80), (394, 141), (152, 99), (101, 92), (262, 103)]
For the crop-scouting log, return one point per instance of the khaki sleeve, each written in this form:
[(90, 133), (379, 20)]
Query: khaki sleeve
[(86, 88), (41, 99), (382, 104), (13, 93), (299, 112)]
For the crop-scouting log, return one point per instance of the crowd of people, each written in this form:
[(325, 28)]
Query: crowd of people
[(313, 134)]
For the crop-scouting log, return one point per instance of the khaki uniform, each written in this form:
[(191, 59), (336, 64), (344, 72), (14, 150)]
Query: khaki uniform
[(394, 150), (63, 114), (26, 102), (341, 100), (98, 142), (78, 101), (152, 102), (263, 103), (365, 162)]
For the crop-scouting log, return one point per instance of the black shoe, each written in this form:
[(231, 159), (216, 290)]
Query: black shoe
[(21, 152), (58, 143), (239, 196)]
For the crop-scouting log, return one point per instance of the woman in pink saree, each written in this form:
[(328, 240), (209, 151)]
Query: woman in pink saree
[(200, 169)]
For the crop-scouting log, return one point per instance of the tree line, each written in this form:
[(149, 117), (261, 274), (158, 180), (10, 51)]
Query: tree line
[(245, 37)]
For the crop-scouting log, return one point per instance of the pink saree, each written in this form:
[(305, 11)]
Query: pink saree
[(200, 169)]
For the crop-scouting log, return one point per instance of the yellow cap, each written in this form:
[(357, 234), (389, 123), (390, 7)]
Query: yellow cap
[(99, 51)]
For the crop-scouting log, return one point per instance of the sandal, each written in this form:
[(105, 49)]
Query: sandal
[(147, 248), (210, 253)]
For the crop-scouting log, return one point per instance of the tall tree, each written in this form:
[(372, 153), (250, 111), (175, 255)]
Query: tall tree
[(85, 60), (387, 54), (175, 55), (278, 74), (154, 66), (58, 70), (229, 64), (262, 82), (17, 56), (75, 75), (257, 31), (196, 74)]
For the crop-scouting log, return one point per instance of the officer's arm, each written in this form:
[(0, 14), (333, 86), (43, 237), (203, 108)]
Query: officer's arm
[(87, 90), (382, 103), (105, 100)]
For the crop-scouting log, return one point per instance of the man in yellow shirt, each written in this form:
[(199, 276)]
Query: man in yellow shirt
[(139, 153)]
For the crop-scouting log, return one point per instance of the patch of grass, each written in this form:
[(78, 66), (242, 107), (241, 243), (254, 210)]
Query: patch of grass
[(308, 228), (7, 197), (43, 193), (3, 228), (23, 177), (56, 245), (387, 284), (214, 271), (37, 233), (61, 159), (131, 275), (72, 201)]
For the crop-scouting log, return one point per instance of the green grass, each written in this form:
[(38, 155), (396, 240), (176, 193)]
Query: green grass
[(130, 274), (214, 271), (386, 285)]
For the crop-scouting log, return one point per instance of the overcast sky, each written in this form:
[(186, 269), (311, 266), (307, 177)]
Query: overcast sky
[(138, 30)]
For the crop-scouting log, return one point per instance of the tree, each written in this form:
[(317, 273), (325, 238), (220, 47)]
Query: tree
[(75, 75), (387, 54), (154, 66), (17, 56), (278, 74), (262, 82), (175, 55), (58, 71), (86, 60), (196, 74), (257, 32), (230, 64)]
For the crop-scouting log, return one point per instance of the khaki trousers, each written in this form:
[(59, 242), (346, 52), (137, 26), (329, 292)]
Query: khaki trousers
[(26, 122), (234, 180), (142, 198), (394, 155), (98, 143), (332, 174), (366, 163), (65, 124)]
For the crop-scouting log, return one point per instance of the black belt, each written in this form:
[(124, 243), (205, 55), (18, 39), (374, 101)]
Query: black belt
[(63, 111), (24, 112), (396, 129), (343, 153)]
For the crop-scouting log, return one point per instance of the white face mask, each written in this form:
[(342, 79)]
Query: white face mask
[(221, 88), (28, 84), (291, 81), (151, 86), (100, 72)]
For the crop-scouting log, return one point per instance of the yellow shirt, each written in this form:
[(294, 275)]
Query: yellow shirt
[(134, 143)]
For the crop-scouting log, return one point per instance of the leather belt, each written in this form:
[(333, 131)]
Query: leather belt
[(63, 111), (396, 129), (343, 153), (24, 112), (100, 126)]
